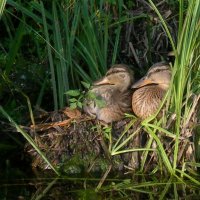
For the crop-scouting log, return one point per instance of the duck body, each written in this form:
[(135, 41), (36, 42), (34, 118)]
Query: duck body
[(111, 107), (151, 98), (150, 90), (112, 95)]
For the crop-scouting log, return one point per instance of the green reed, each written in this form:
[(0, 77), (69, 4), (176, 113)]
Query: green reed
[(2, 7), (184, 89), (181, 100)]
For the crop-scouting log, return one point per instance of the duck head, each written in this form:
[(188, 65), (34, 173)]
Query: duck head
[(119, 76), (159, 75)]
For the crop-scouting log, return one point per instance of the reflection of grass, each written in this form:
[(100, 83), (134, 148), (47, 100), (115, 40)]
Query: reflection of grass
[(147, 188), (84, 188)]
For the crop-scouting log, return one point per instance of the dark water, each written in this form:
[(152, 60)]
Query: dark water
[(23, 183), (19, 181)]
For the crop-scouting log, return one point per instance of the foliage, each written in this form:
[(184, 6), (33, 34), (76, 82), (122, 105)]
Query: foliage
[(70, 30), (79, 98), (67, 41), (2, 6), (80, 39)]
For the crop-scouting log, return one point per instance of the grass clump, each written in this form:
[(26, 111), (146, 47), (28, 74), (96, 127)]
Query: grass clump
[(183, 96)]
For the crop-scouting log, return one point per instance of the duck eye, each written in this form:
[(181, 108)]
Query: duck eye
[(122, 75)]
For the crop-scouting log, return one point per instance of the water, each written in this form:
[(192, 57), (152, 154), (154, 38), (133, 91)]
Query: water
[(35, 185), (19, 181)]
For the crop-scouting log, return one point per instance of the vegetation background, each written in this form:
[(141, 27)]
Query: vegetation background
[(49, 47)]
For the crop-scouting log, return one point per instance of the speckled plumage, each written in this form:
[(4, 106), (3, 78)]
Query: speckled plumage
[(150, 90)]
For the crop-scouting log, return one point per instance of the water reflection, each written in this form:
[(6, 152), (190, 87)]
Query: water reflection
[(45, 186)]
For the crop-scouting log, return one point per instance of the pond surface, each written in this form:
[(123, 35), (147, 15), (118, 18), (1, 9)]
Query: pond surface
[(35, 185), (19, 181)]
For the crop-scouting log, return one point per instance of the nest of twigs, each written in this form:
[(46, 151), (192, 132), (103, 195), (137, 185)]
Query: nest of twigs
[(77, 143)]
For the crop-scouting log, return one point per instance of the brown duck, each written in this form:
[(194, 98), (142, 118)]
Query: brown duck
[(150, 90), (113, 90)]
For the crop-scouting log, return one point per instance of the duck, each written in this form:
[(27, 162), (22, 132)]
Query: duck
[(110, 97), (150, 90)]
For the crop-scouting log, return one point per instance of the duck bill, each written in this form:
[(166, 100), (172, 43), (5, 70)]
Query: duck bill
[(103, 81), (142, 82)]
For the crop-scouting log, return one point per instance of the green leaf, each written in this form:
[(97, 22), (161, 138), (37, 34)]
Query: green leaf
[(80, 105), (72, 100), (91, 95), (73, 105), (73, 93), (86, 85)]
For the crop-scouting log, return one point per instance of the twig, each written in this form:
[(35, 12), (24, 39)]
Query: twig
[(104, 177), (195, 103), (134, 54)]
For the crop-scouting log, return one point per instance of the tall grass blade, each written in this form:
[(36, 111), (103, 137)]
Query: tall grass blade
[(161, 149), (61, 68), (145, 154), (183, 174), (24, 10), (184, 73), (116, 45), (51, 63), (188, 43), (70, 32), (14, 47), (2, 6)]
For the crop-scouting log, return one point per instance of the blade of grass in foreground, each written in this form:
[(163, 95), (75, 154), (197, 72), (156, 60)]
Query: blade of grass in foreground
[(28, 138), (188, 45), (183, 174), (119, 142), (43, 192), (2, 6), (186, 59), (145, 154), (161, 149)]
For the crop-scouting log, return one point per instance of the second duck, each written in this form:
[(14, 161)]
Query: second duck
[(150, 90)]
